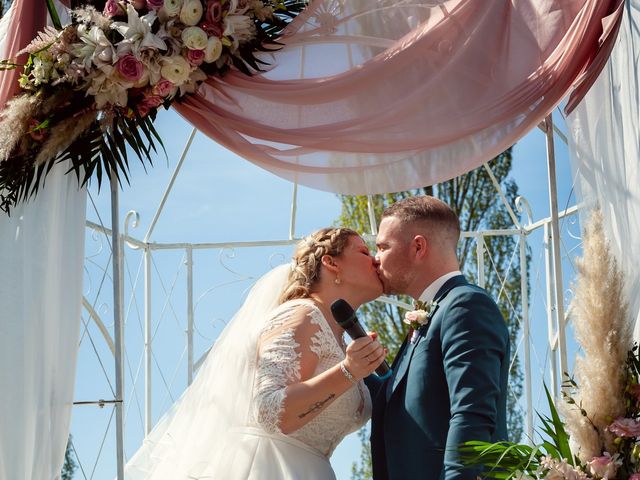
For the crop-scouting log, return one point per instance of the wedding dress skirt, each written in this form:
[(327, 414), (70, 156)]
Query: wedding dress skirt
[(254, 454)]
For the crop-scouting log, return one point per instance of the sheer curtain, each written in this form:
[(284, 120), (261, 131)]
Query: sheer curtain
[(605, 150), (41, 257), (373, 97)]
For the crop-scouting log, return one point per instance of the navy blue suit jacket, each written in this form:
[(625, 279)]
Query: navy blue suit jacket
[(448, 387)]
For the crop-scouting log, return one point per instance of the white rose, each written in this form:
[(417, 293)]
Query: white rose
[(176, 69), (191, 12), (194, 38), (172, 7), (213, 50)]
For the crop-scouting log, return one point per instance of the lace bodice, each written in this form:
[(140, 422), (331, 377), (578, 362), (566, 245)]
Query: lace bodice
[(297, 330)]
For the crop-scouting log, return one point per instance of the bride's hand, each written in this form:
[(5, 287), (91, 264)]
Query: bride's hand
[(364, 355)]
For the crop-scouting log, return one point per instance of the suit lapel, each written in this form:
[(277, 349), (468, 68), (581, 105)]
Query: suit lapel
[(406, 352)]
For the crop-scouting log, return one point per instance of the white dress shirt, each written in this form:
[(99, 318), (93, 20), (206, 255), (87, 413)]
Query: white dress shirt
[(430, 292)]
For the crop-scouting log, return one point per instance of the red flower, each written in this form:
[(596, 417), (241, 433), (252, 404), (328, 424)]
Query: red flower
[(38, 134)]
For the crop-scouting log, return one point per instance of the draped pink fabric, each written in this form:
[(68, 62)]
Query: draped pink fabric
[(28, 19), (385, 95), (371, 97)]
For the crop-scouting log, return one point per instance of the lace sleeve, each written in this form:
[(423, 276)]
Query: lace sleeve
[(288, 353)]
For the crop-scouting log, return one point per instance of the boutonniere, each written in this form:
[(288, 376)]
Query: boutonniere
[(420, 316)]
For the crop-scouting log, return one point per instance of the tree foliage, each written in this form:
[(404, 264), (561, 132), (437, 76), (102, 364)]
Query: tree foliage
[(476, 201), (69, 466)]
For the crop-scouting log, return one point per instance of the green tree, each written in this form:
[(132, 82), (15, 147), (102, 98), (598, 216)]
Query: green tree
[(69, 466), (476, 201)]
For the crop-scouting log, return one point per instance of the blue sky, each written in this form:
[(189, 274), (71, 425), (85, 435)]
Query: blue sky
[(219, 197)]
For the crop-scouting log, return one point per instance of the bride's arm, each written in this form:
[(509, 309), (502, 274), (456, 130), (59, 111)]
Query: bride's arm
[(287, 394)]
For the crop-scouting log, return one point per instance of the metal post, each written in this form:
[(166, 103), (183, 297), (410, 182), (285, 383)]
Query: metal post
[(553, 364), (524, 289), (555, 241), (117, 324), (189, 264), (372, 216), (294, 211), (148, 351), (480, 255), (170, 186)]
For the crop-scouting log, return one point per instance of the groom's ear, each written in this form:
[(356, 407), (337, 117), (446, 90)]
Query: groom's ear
[(420, 247)]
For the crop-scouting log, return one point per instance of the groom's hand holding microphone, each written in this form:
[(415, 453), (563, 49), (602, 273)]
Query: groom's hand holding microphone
[(365, 354)]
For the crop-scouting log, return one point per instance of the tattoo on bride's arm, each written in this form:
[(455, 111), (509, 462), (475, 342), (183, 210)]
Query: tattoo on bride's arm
[(317, 406)]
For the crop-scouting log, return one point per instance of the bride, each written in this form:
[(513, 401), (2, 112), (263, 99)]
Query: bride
[(279, 389)]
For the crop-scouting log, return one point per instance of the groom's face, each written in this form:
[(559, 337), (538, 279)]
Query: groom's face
[(393, 256)]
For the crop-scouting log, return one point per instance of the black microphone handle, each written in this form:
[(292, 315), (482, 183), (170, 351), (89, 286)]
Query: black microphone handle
[(346, 318), (355, 330)]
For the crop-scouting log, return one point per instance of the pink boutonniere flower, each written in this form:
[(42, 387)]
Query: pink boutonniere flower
[(420, 316)]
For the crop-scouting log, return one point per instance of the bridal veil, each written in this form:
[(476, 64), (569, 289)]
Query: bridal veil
[(187, 439)]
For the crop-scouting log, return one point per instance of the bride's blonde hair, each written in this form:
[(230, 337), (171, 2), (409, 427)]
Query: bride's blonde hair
[(307, 260)]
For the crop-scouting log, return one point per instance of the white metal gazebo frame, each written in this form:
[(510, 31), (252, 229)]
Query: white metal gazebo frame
[(556, 318)]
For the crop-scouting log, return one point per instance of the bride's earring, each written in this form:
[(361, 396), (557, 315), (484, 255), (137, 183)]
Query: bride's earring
[(337, 281)]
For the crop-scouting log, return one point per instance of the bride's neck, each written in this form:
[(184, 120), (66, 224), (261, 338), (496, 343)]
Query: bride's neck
[(324, 304)]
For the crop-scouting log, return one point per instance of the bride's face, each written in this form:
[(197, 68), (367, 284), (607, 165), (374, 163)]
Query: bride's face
[(357, 270)]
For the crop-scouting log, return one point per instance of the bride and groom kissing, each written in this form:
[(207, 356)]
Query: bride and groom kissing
[(280, 388)]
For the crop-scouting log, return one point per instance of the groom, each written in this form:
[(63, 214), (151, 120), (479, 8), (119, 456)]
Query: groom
[(449, 382)]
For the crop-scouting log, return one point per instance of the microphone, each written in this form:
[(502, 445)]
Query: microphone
[(346, 318)]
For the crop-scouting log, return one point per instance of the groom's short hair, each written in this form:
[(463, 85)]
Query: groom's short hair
[(433, 212)]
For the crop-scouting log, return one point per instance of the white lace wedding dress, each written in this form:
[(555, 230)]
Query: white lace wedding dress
[(296, 330), (226, 425)]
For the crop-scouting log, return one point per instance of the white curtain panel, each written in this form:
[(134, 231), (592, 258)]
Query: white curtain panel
[(605, 151), (41, 260)]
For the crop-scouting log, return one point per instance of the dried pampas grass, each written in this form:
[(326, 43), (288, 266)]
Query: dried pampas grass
[(602, 328), (63, 135), (15, 122)]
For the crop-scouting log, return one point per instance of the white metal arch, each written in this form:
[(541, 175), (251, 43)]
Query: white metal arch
[(555, 308)]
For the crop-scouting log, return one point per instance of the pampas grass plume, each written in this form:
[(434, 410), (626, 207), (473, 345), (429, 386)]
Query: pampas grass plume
[(602, 329), (14, 122)]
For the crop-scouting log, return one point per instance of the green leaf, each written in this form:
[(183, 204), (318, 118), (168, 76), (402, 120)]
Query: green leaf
[(53, 13), (555, 429)]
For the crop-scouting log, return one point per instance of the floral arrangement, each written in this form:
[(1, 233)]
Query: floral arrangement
[(599, 434), (93, 87)]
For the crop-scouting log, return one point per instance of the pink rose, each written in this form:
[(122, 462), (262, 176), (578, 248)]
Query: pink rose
[(635, 476), (130, 68), (604, 467), (163, 88), (213, 11), (625, 427), (112, 8), (213, 29), (411, 317), (195, 57), (155, 4), (147, 104)]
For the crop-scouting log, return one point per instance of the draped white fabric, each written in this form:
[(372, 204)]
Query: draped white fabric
[(41, 257), (42, 254), (605, 150)]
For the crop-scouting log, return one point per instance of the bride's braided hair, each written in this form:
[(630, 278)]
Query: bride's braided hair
[(307, 260)]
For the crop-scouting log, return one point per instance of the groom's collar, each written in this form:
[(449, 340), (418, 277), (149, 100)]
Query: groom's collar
[(433, 289)]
